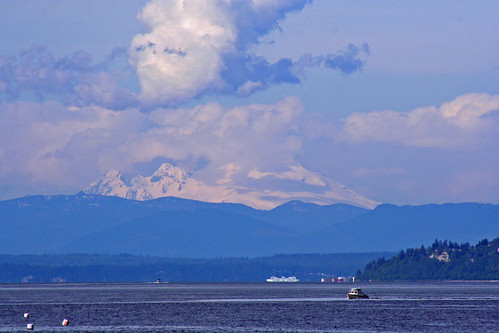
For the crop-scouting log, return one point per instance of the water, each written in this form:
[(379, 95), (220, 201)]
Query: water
[(259, 307)]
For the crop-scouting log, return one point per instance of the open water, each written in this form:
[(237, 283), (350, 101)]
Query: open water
[(250, 307)]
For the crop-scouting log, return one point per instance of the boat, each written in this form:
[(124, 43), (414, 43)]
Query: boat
[(355, 293), (283, 279)]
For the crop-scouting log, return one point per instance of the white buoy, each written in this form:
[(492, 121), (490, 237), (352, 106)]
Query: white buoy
[(65, 322), (30, 327), (26, 315)]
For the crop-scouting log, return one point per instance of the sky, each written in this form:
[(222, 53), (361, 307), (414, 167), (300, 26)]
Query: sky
[(398, 101)]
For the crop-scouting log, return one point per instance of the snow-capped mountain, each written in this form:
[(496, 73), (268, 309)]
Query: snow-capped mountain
[(166, 181), (263, 190)]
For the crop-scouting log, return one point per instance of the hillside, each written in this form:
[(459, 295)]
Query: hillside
[(173, 227), (441, 261)]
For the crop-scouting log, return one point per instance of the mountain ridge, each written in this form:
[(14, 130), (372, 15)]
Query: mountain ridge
[(189, 228)]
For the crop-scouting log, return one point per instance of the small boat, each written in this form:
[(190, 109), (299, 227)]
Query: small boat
[(356, 293)]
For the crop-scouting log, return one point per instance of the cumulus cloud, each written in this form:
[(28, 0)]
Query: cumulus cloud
[(230, 138), (202, 47), (460, 123), (249, 153), (193, 48), (72, 79), (181, 55), (51, 147), (50, 142)]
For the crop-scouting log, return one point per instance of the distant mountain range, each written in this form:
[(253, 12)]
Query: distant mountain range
[(174, 227), (262, 190)]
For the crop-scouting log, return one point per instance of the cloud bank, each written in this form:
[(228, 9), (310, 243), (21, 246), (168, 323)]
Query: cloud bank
[(234, 147), (72, 79), (52, 142), (461, 123)]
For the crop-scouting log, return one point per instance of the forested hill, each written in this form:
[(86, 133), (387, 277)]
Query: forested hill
[(443, 260)]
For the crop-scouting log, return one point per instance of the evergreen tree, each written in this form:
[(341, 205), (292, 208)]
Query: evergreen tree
[(464, 262)]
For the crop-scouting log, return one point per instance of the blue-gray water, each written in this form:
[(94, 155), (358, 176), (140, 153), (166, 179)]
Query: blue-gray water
[(260, 307)]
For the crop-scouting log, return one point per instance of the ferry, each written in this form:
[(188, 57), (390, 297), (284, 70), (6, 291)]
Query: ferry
[(283, 279), (355, 293)]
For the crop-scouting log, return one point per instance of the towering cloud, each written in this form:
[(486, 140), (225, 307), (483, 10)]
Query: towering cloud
[(198, 47), (181, 56), (193, 48)]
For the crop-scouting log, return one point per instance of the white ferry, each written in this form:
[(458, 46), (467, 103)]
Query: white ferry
[(283, 279)]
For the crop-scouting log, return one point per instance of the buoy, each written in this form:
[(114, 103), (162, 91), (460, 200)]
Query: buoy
[(30, 327), (65, 322), (26, 315)]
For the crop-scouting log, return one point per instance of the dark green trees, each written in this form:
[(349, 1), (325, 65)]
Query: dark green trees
[(443, 260)]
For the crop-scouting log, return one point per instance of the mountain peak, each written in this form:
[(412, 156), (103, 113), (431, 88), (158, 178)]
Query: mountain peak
[(166, 181), (113, 173), (263, 190), (111, 184), (170, 171), (297, 206)]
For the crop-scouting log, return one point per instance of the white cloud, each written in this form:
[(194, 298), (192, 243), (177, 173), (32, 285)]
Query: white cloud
[(70, 147), (53, 143), (230, 170), (295, 172), (249, 135), (248, 88), (181, 56), (49, 142), (241, 149), (457, 124), (206, 46)]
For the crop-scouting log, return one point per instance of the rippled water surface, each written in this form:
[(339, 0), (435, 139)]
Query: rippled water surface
[(263, 307)]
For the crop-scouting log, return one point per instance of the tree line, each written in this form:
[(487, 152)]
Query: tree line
[(132, 268), (442, 260)]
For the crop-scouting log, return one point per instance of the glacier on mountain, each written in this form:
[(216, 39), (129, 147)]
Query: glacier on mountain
[(262, 190)]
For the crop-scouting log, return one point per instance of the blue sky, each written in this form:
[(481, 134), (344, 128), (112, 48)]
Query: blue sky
[(398, 101)]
